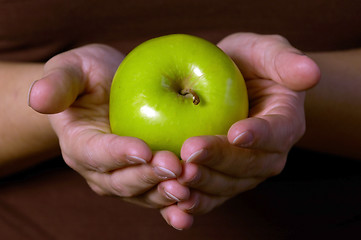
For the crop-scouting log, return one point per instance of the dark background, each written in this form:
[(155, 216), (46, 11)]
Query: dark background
[(317, 196)]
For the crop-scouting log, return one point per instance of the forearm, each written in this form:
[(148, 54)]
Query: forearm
[(26, 136), (333, 108)]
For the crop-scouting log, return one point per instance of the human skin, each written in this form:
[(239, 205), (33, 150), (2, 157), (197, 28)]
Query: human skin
[(177, 214), (333, 106), (27, 137), (219, 167), (75, 90), (331, 110)]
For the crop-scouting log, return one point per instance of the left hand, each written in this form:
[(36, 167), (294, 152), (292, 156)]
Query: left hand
[(75, 93), (217, 168)]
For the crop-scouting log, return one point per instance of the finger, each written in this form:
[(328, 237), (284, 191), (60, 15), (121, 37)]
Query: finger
[(276, 119), (273, 133), (169, 192), (136, 180), (200, 203), (271, 57), (217, 153), (58, 89), (213, 182), (104, 153), (177, 218), (67, 75), (164, 194)]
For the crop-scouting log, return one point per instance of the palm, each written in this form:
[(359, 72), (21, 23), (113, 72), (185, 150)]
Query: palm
[(269, 99), (90, 109)]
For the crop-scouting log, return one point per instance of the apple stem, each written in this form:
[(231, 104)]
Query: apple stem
[(185, 92)]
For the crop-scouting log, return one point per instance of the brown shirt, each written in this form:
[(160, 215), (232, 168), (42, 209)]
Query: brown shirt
[(35, 30), (317, 197)]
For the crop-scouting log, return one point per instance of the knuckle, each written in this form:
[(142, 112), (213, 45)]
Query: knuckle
[(231, 189), (119, 189), (198, 180), (90, 158), (276, 38), (252, 165), (294, 135), (277, 166), (149, 179), (79, 158), (301, 131), (272, 165), (70, 162), (98, 190), (253, 185)]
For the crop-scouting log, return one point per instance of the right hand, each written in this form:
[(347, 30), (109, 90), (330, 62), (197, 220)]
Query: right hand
[(218, 168)]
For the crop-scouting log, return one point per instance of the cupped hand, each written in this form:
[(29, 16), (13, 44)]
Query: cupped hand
[(75, 93), (217, 168)]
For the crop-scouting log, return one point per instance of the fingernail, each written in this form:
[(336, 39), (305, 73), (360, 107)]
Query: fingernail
[(199, 155), (135, 160), (185, 206), (191, 208), (164, 173), (29, 92), (244, 139), (193, 181), (171, 196)]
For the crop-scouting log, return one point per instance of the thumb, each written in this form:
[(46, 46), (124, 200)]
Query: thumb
[(271, 57), (59, 88)]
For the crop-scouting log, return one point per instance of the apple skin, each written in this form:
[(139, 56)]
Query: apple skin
[(146, 100)]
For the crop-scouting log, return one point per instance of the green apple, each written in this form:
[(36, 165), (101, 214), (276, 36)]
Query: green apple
[(175, 87)]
